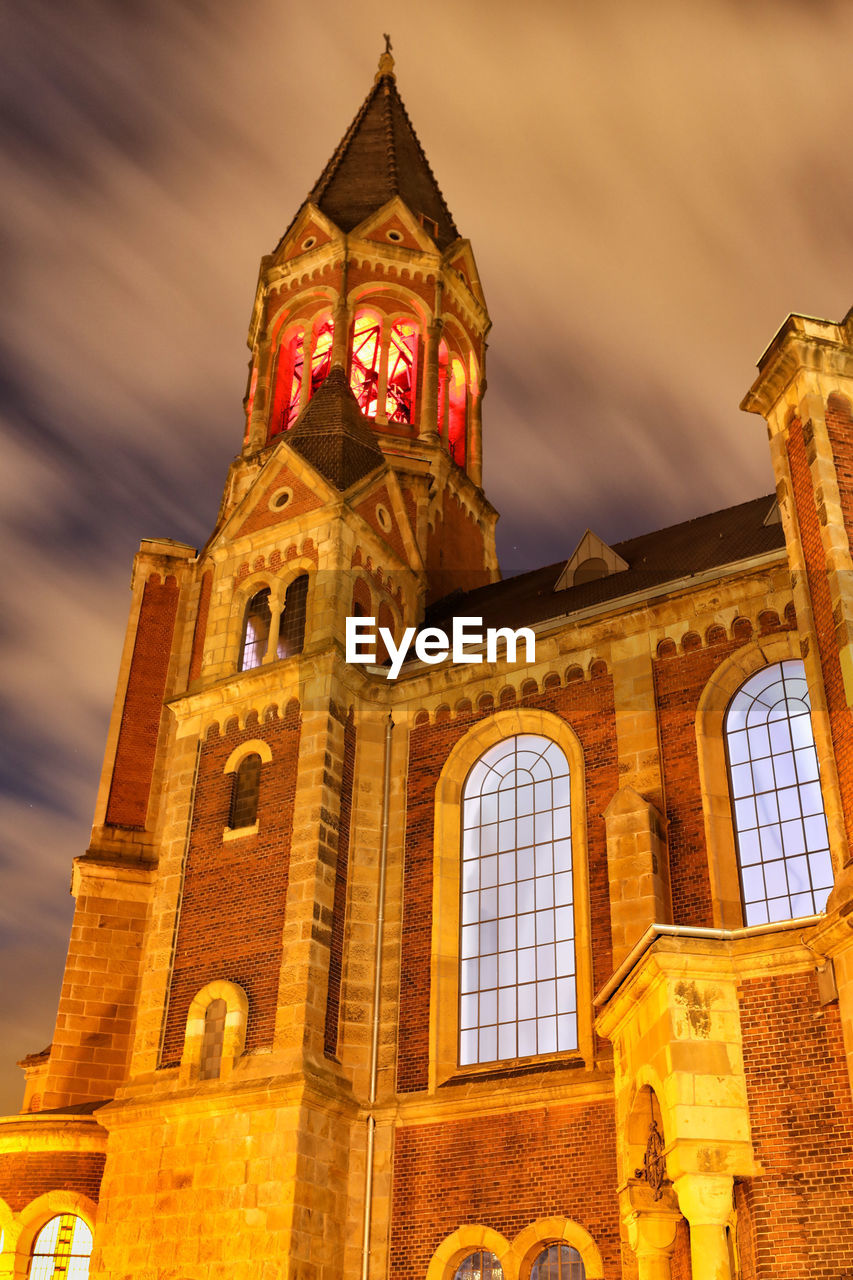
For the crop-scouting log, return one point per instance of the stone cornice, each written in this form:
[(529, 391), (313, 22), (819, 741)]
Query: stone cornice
[(51, 1131)]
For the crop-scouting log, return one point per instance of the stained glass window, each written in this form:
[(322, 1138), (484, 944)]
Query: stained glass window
[(517, 956), (364, 378), (256, 630), (62, 1249), (399, 400), (779, 820), (479, 1266), (558, 1262)]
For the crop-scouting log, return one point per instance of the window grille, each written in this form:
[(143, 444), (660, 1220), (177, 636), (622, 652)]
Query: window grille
[(245, 792), (558, 1262), (780, 825), (291, 634), (256, 630), (62, 1248), (479, 1266), (517, 957)]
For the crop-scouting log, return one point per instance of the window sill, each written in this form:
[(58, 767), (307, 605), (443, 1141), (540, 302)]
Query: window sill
[(237, 833), (514, 1067)]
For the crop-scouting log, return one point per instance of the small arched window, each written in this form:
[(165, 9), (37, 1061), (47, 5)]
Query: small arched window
[(214, 1036), (780, 825), (245, 793), (291, 631), (479, 1266), (558, 1262), (517, 956), (62, 1248), (256, 630)]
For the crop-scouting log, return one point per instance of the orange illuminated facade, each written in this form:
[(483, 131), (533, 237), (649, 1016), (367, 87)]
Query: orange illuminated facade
[(538, 967)]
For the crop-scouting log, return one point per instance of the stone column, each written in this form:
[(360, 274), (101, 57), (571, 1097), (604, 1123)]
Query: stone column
[(706, 1202), (652, 1226)]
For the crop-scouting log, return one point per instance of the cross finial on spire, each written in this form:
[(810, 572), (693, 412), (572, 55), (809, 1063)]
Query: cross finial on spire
[(386, 61)]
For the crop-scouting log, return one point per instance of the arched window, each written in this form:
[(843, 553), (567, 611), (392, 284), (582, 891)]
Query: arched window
[(214, 1035), (558, 1262), (288, 383), (256, 630), (452, 404), (402, 349), (517, 957), (366, 353), (479, 1266), (780, 826), (245, 793), (62, 1248), (291, 632), (321, 356)]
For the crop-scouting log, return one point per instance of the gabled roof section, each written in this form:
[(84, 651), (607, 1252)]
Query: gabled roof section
[(380, 157), (591, 558), (334, 436), (704, 545)]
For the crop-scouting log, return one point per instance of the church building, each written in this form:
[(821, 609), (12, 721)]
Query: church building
[(528, 959)]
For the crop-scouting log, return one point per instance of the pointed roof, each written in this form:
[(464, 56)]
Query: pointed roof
[(380, 157), (333, 434)]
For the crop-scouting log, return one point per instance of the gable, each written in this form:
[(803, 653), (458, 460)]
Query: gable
[(277, 499), (592, 558)]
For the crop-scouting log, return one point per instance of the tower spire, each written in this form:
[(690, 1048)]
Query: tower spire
[(386, 61)]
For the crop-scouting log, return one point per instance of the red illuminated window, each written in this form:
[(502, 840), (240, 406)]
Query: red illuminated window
[(288, 384), (456, 412), (399, 399), (364, 378), (321, 359), (452, 404)]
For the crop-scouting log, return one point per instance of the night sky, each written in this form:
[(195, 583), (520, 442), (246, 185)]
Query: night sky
[(649, 190)]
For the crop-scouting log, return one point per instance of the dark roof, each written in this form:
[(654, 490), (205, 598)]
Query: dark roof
[(334, 436), (379, 157), (654, 559)]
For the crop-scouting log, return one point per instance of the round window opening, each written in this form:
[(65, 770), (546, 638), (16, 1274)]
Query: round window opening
[(395, 236), (309, 242), (280, 499), (384, 518)]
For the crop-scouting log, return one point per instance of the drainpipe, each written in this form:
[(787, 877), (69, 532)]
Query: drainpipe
[(377, 991)]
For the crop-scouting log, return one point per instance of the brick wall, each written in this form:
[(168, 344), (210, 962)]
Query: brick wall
[(336, 945), (504, 1172), (588, 707), (143, 704), (841, 725), (455, 551), (234, 897), (801, 1208), (26, 1175)]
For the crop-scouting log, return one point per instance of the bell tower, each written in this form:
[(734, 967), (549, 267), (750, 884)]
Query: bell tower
[(372, 279)]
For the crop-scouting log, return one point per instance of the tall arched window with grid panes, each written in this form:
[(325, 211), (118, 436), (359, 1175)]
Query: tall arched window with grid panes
[(777, 805), (517, 985), (63, 1248)]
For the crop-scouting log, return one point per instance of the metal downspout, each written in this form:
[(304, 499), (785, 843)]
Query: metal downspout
[(377, 991)]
